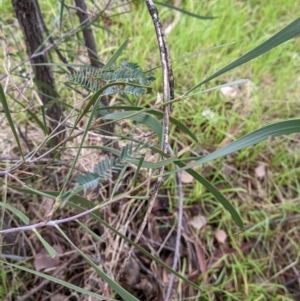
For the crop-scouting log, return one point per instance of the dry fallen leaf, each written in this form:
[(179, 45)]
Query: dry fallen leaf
[(260, 171), (47, 205), (230, 91), (58, 297), (44, 261), (221, 236), (198, 221), (186, 177)]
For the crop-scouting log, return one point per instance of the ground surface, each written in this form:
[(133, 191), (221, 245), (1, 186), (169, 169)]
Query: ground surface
[(260, 262)]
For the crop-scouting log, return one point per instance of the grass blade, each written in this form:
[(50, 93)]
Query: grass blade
[(216, 193), (34, 116), (96, 96), (84, 202), (290, 31), (229, 84), (16, 212), (91, 102), (61, 13), (158, 261), (34, 191), (92, 233), (9, 119), (138, 169), (115, 56), (120, 177), (273, 130), (153, 123), (55, 280), (184, 11), (49, 249), (44, 120), (174, 121), (114, 285)]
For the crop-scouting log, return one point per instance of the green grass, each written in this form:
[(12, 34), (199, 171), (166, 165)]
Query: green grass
[(274, 97), (258, 273)]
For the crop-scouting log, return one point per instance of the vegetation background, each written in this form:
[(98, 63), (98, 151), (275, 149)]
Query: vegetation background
[(260, 262)]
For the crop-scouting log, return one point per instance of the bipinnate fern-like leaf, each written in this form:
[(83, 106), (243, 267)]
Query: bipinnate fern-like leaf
[(129, 79), (89, 180), (104, 169)]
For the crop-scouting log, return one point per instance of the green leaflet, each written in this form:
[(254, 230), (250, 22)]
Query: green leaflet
[(107, 166)]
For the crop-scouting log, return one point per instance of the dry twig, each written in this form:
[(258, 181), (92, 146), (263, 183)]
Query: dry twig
[(71, 218), (179, 226), (168, 93)]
